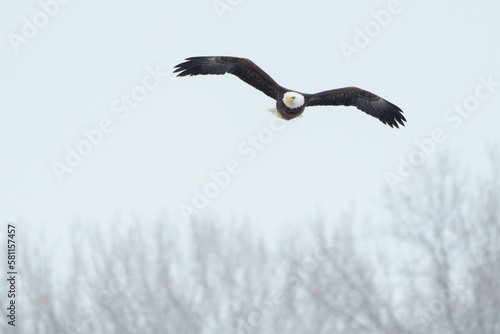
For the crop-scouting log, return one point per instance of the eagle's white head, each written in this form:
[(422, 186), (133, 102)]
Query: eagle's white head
[(293, 100)]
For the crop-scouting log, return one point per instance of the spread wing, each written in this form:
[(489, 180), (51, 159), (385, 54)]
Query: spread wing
[(244, 69), (370, 103)]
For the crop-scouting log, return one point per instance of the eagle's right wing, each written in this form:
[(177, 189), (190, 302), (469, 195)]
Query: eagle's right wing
[(243, 68)]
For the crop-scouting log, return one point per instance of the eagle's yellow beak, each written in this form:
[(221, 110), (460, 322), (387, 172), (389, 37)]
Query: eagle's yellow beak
[(289, 99)]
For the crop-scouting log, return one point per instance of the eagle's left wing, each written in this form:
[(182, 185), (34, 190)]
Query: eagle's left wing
[(370, 103)]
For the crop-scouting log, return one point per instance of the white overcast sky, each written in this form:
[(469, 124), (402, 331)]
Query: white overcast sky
[(71, 74)]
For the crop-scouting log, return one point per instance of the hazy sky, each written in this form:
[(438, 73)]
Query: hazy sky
[(68, 69)]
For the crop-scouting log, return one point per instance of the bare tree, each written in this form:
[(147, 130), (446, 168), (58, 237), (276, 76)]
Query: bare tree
[(438, 272), (449, 223)]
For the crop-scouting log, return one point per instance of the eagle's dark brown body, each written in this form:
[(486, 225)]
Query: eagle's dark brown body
[(284, 111)]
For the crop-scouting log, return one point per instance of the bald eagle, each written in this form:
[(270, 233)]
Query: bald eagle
[(291, 104)]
